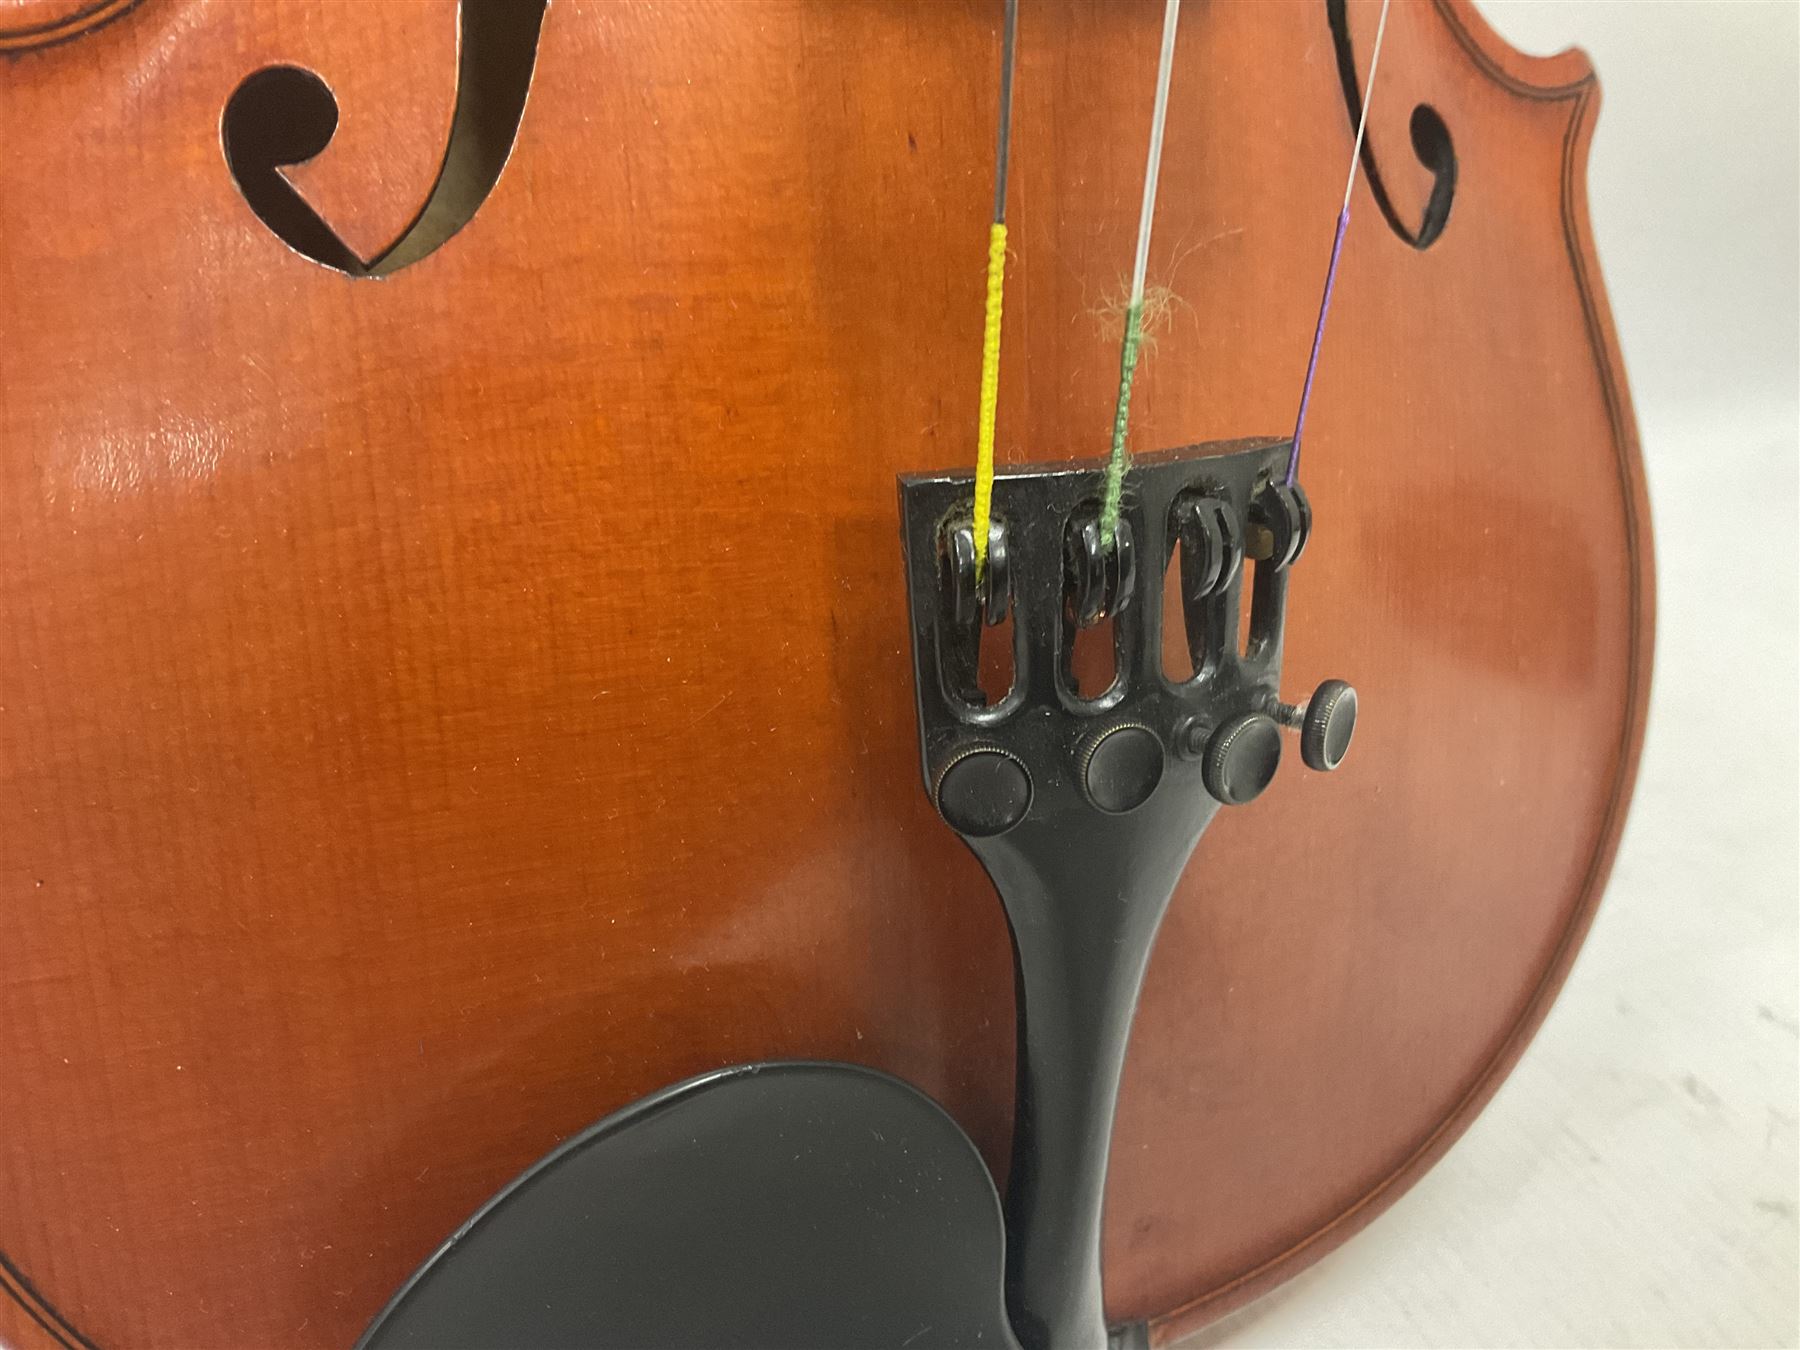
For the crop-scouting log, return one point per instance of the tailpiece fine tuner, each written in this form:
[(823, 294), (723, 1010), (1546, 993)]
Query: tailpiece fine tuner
[(793, 1204), (1085, 810)]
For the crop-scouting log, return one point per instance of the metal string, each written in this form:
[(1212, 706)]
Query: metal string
[(1134, 311), (1337, 249), (996, 282)]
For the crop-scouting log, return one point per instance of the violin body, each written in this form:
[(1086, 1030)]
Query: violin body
[(454, 678)]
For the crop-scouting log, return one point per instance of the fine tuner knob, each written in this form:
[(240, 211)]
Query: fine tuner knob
[(1326, 724), (1241, 758), (1238, 761)]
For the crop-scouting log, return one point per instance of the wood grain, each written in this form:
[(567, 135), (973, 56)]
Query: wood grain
[(436, 711)]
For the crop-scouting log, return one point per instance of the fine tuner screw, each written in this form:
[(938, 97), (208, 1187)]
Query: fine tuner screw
[(1325, 724), (1239, 759)]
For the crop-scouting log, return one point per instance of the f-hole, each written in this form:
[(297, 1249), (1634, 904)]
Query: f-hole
[(282, 115), (1431, 143)]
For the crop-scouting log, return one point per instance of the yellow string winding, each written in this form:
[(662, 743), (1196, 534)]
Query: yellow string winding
[(990, 395)]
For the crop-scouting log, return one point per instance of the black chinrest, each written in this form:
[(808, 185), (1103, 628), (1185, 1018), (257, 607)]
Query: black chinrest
[(763, 1207)]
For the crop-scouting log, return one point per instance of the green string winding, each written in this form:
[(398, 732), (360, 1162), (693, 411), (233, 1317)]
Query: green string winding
[(1121, 457)]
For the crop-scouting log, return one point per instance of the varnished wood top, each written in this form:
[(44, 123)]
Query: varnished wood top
[(436, 711)]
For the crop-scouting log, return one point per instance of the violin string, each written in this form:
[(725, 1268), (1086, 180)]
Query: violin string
[(1337, 247), (1134, 310), (996, 282)]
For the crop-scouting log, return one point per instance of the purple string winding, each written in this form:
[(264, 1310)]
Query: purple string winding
[(1312, 365)]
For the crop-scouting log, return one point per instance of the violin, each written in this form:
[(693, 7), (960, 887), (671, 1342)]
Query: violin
[(523, 782)]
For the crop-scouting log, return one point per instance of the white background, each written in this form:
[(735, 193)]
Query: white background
[(1634, 1183)]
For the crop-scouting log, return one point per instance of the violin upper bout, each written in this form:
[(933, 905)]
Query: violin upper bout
[(1557, 73), (1423, 108)]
